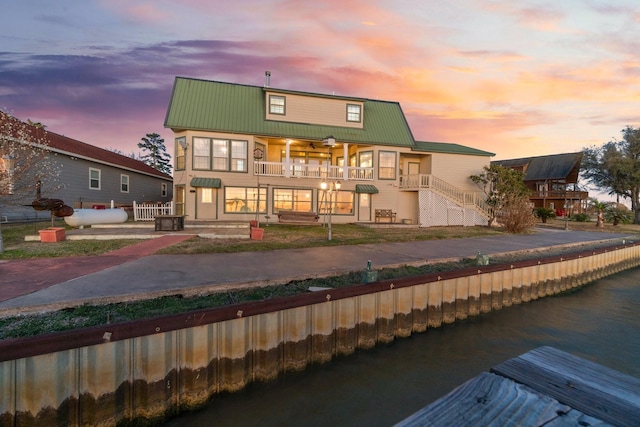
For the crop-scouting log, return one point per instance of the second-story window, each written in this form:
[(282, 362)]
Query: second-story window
[(220, 154), (387, 165), (353, 113), (181, 154), (276, 104)]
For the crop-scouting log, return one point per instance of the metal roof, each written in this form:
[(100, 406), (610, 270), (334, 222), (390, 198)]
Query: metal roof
[(556, 166), (445, 147), (206, 182), (366, 188), (64, 145), (234, 108)]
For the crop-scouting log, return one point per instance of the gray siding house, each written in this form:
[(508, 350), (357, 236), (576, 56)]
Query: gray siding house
[(88, 177)]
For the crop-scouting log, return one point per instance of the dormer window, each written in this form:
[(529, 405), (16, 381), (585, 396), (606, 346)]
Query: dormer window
[(354, 113), (276, 104)]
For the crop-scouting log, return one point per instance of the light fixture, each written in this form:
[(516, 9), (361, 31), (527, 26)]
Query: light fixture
[(329, 141), (183, 143), (329, 188)]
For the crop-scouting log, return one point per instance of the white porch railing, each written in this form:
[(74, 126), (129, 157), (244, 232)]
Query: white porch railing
[(300, 170), (453, 193), (149, 211)]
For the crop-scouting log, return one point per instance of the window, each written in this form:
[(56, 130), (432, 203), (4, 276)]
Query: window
[(238, 156), (94, 179), (292, 199), (340, 202), (220, 154), (180, 198), (124, 183), (276, 104), (201, 153), (244, 200), (387, 165), (366, 159), (353, 113), (207, 195), (181, 153), (163, 189)]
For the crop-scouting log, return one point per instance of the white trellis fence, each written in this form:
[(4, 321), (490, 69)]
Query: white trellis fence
[(148, 211)]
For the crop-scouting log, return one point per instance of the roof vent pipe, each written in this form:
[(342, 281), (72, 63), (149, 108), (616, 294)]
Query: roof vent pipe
[(268, 76)]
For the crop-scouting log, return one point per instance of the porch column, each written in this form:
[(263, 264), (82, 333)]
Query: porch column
[(345, 157), (287, 160)]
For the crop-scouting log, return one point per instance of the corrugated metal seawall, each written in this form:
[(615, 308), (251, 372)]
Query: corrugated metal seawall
[(146, 370)]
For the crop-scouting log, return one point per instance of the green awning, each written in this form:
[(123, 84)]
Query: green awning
[(366, 188), (206, 182)]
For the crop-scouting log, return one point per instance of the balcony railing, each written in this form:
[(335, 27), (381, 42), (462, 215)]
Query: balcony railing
[(299, 170), (573, 195)]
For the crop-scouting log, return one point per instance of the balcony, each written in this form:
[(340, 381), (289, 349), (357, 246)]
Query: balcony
[(315, 171)]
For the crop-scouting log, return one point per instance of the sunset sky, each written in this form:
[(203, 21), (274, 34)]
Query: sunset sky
[(517, 79)]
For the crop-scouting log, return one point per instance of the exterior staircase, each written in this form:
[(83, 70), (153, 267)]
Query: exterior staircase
[(437, 197)]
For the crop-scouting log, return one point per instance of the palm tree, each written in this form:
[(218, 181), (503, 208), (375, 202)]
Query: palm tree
[(600, 207)]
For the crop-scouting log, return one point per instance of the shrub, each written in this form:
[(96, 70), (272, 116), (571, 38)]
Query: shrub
[(582, 217), (516, 215), (544, 213), (617, 215)]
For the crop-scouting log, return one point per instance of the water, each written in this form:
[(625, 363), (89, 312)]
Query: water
[(379, 387)]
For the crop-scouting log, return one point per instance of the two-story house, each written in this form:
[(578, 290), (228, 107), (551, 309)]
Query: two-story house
[(553, 181), (243, 152)]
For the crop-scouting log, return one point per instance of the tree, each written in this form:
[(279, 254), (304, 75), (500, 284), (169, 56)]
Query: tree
[(505, 191), (615, 168), (25, 161), (131, 155), (156, 154), (600, 208)]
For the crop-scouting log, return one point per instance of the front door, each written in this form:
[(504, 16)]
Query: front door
[(206, 202), (364, 207)]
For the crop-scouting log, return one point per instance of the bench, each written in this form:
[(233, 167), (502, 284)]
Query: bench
[(297, 217), (385, 213)]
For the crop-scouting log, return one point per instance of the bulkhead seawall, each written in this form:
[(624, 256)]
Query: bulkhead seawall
[(153, 368)]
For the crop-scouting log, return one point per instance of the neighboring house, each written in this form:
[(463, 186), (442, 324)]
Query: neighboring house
[(553, 181), (231, 139), (91, 177)]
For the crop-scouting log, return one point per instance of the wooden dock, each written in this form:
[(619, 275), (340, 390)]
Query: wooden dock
[(544, 387)]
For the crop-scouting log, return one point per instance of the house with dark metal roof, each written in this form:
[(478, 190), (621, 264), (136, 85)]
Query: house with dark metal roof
[(87, 176), (553, 181), (253, 152)]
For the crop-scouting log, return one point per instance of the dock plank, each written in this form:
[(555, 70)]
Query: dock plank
[(590, 388), (492, 400)]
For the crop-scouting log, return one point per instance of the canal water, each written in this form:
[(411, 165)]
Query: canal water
[(379, 387)]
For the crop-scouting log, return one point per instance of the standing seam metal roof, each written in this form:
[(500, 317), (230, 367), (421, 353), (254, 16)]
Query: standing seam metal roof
[(235, 108)]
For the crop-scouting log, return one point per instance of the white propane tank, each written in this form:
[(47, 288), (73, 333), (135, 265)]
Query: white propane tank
[(83, 217)]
